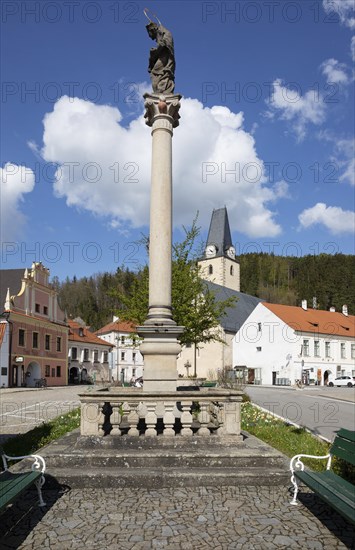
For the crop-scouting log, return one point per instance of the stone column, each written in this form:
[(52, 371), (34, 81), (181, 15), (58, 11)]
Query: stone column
[(160, 346)]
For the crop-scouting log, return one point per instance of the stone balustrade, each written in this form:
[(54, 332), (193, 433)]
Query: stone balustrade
[(133, 412)]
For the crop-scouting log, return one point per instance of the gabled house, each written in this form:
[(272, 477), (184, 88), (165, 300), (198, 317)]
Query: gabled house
[(88, 355), (33, 329), (126, 361), (280, 344)]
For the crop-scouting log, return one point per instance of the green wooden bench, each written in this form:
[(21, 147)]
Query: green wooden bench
[(330, 487), (13, 484)]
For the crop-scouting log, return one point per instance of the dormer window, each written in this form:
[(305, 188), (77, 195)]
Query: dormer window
[(81, 332)]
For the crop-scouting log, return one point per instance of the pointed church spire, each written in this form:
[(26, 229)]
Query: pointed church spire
[(7, 305), (219, 234)]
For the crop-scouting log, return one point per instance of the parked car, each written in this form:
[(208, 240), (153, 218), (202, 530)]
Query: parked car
[(342, 381)]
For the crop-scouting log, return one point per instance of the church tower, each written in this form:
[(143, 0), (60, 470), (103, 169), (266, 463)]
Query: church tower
[(218, 263)]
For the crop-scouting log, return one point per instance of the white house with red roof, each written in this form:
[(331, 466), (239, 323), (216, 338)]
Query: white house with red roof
[(280, 344), (126, 361), (88, 356)]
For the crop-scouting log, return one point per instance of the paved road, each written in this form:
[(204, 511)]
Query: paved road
[(23, 409), (322, 410)]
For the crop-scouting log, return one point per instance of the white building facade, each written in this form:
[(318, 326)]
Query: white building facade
[(125, 359), (282, 344), (88, 356)]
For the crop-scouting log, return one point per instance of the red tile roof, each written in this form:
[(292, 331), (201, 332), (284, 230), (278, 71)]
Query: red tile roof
[(88, 337), (117, 326), (314, 320)]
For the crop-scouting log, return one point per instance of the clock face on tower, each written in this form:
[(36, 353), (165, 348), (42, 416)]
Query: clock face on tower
[(211, 250), (231, 252)]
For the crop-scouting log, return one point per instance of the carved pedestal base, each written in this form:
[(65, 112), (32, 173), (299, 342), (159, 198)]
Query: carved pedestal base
[(160, 349)]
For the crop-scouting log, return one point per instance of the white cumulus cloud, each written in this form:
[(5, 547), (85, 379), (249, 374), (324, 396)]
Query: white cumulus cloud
[(299, 110), (335, 72), (344, 9), (104, 167), (345, 157), (15, 182), (352, 48), (334, 218)]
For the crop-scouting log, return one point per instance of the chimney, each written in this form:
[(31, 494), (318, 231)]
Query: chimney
[(304, 305), (345, 310), (332, 309)]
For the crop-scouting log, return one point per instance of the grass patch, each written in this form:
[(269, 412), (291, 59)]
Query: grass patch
[(286, 438), (29, 442)]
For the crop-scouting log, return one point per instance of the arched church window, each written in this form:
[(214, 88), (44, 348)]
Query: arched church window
[(232, 270), (210, 269)]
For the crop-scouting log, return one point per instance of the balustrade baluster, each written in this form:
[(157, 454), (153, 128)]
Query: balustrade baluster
[(116, 418), (169, 419), (133, 419), (151, 419), (186, 418), (204, 418)]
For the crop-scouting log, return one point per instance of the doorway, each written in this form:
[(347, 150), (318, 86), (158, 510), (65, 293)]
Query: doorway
[(33, 374)]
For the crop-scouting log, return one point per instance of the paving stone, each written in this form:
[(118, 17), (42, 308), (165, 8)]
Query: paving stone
[(201, 518)]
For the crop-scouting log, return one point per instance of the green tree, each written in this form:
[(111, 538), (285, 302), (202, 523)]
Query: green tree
[(194, 304)]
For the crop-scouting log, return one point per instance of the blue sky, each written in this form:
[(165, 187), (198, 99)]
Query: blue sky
[(266, 127)]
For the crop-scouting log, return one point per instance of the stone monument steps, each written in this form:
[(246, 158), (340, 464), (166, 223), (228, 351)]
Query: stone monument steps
[(158, 477), (181, 459), (162, 462)]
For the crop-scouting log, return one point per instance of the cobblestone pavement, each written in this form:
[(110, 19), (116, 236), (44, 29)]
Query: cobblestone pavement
[(200, 518)]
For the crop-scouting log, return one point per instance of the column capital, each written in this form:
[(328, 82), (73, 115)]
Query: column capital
[(160, 105)]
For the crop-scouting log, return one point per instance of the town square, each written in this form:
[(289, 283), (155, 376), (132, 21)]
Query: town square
[(177, 329)]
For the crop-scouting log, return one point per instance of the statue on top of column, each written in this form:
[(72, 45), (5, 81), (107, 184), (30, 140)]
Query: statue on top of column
[(162, 59)]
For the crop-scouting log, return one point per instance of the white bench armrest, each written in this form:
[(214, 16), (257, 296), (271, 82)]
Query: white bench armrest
[(296, 463), (38, 464)]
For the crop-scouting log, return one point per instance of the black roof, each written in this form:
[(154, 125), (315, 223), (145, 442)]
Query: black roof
[(219, 233), (10, 278), (237, 315)]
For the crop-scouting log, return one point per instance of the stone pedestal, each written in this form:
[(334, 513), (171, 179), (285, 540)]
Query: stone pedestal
[(160, 346), (160, 349)]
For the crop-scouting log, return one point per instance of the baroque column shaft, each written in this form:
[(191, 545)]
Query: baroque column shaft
[(160, 346), (160, 241)]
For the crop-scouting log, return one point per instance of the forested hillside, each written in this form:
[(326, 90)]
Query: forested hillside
[(289, 280), (277, 279)]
